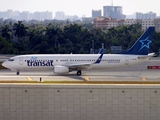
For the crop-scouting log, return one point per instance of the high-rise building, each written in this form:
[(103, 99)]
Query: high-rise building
[(149, 15), (24, 15), (96, 13), (16, 15), (113, 11), (9, 13), (47, 15), (38, 16), (60, 15), (3, 14)]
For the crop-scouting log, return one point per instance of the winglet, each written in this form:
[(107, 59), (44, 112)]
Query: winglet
[(99, 59), (101, 51)]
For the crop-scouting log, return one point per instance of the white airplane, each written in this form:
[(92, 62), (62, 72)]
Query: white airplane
[(65, 63)]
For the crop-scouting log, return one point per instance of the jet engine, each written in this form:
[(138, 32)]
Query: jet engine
[(61, 69)]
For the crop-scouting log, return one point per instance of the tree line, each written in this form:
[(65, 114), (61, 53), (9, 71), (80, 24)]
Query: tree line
[(53, 38)]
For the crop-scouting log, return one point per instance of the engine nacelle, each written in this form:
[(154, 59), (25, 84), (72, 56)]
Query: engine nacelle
[(61, 69)]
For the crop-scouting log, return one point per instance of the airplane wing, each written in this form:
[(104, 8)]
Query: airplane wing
[(85, 65)]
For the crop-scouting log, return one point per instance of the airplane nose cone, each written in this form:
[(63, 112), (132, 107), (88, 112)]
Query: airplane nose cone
[(4, 64)]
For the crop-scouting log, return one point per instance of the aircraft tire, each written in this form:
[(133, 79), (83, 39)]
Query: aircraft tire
[(79, 73), (17, 73)]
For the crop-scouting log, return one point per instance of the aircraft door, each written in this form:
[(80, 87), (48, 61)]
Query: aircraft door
[(21, 61), (127, 60)]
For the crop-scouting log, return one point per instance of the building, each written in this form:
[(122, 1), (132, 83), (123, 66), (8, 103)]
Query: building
[(157, 24), (149, 15), (71, 17), (96, 13), (101, 22), (16, 15), (9, 13), (60, 15), (47, 15), (146, 23), (37, 16), (3, 15), (130, 21), (24, 15), (87, 19), (107, 22), (113, 11)]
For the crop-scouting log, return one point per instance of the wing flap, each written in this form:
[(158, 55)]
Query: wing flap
[(85, 65)]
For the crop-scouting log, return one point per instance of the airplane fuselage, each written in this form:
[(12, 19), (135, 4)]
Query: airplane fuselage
[(47, 62)]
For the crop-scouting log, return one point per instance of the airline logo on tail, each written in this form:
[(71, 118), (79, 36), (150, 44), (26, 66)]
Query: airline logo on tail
[(145, 43), (142, 45)]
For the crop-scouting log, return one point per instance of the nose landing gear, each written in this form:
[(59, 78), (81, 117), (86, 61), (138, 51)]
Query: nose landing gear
[(17, 73)]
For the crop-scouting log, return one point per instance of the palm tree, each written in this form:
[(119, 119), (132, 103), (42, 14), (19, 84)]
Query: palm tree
[(53, 34), (6, 32), (20, 29)]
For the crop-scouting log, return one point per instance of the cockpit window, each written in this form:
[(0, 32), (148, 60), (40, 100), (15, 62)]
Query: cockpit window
[(10, 59)]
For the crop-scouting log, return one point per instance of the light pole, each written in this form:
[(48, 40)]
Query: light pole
[(102, 45), (92, 46)]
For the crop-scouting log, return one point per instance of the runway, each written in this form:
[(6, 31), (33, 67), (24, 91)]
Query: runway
[(93, 76), (133, 73)]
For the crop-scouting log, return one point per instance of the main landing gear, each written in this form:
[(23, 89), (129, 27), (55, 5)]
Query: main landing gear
[(17, 73), (79, 73)]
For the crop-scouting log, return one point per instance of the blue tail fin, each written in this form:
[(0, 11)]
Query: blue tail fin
[(142, 45)]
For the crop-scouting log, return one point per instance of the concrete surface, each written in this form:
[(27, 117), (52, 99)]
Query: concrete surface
[(79, 102)]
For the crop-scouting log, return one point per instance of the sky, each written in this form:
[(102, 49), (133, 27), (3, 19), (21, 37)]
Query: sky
[(80, 7)]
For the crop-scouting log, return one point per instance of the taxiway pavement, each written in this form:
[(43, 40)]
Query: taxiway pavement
[(133, 73)]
